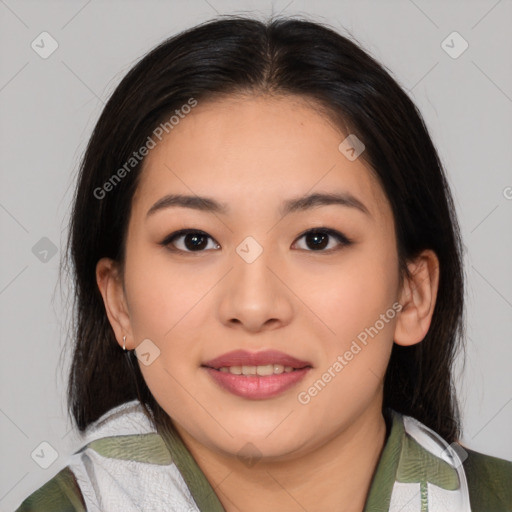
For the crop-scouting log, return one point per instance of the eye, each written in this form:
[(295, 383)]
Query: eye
[(193, 241), (318, 239)]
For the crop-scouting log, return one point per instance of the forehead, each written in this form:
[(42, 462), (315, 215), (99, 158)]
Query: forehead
[(254, 152)]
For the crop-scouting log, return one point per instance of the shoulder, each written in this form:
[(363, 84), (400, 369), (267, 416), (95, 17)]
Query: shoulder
[(123, 434), (124, 464), (125, 470), (489, 482), (425, 464), (59, 494)]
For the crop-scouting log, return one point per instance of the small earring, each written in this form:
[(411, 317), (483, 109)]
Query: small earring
[(124, 343)]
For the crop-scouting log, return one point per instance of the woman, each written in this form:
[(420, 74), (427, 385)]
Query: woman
[(269, 289)]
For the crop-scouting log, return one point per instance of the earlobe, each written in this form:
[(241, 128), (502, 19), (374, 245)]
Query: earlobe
[(111, 288), (418, 298)]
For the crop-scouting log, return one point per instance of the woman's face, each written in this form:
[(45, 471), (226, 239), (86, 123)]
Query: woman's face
[(253, 280)]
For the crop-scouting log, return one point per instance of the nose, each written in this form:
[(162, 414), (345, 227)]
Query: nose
[(254, 294)]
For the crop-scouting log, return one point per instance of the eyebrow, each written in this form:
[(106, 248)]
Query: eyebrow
[(301, 203)]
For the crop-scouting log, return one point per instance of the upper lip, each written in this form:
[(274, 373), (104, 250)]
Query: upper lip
[(245, 358)]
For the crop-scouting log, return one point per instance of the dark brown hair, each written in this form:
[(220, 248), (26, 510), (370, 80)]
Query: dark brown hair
[(237, 55)]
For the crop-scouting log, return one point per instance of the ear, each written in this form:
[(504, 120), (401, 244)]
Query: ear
[(111, 287), (418, 299)]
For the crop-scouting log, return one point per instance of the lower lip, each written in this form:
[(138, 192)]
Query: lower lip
[(257, 387)]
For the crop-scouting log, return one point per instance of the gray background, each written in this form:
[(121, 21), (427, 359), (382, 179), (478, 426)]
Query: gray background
[(49, 107)]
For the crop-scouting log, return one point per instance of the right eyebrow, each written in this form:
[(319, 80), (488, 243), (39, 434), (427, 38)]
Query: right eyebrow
[(195, 202)]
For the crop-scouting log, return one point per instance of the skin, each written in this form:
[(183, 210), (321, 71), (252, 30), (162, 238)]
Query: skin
[(253, 152)]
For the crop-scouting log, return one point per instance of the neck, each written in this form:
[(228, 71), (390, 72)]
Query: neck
[(334, 476)]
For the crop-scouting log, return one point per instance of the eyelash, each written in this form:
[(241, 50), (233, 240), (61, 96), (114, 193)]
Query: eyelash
[(340, 237)]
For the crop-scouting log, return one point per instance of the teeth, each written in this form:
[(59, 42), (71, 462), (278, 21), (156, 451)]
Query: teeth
[(268, 369), (250, 370), (265, 370)]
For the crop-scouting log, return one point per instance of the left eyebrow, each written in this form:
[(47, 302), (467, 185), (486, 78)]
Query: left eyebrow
[(322, 199), (301, 203)]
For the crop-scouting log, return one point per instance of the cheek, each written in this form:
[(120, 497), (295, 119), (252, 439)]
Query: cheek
[(356, 302), (161, 295), (352, 294), (167, 306), (351, 371)]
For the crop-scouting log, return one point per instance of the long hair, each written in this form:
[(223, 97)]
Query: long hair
[(284, 56)]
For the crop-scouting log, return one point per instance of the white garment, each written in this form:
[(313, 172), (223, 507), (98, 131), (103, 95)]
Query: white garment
[(114, 485)]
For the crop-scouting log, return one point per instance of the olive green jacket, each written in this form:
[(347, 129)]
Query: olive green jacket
[(127, 466)]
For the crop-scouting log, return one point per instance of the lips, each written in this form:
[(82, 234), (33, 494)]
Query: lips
[(245, 358), (265, 375)]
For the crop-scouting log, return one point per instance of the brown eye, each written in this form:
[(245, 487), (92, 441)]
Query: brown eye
[(192, 241), (319, 239)]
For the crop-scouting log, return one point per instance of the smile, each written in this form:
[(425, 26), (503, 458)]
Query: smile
[(256, 375)]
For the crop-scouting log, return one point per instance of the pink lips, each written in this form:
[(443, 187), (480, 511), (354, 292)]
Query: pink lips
[(256, 387)]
